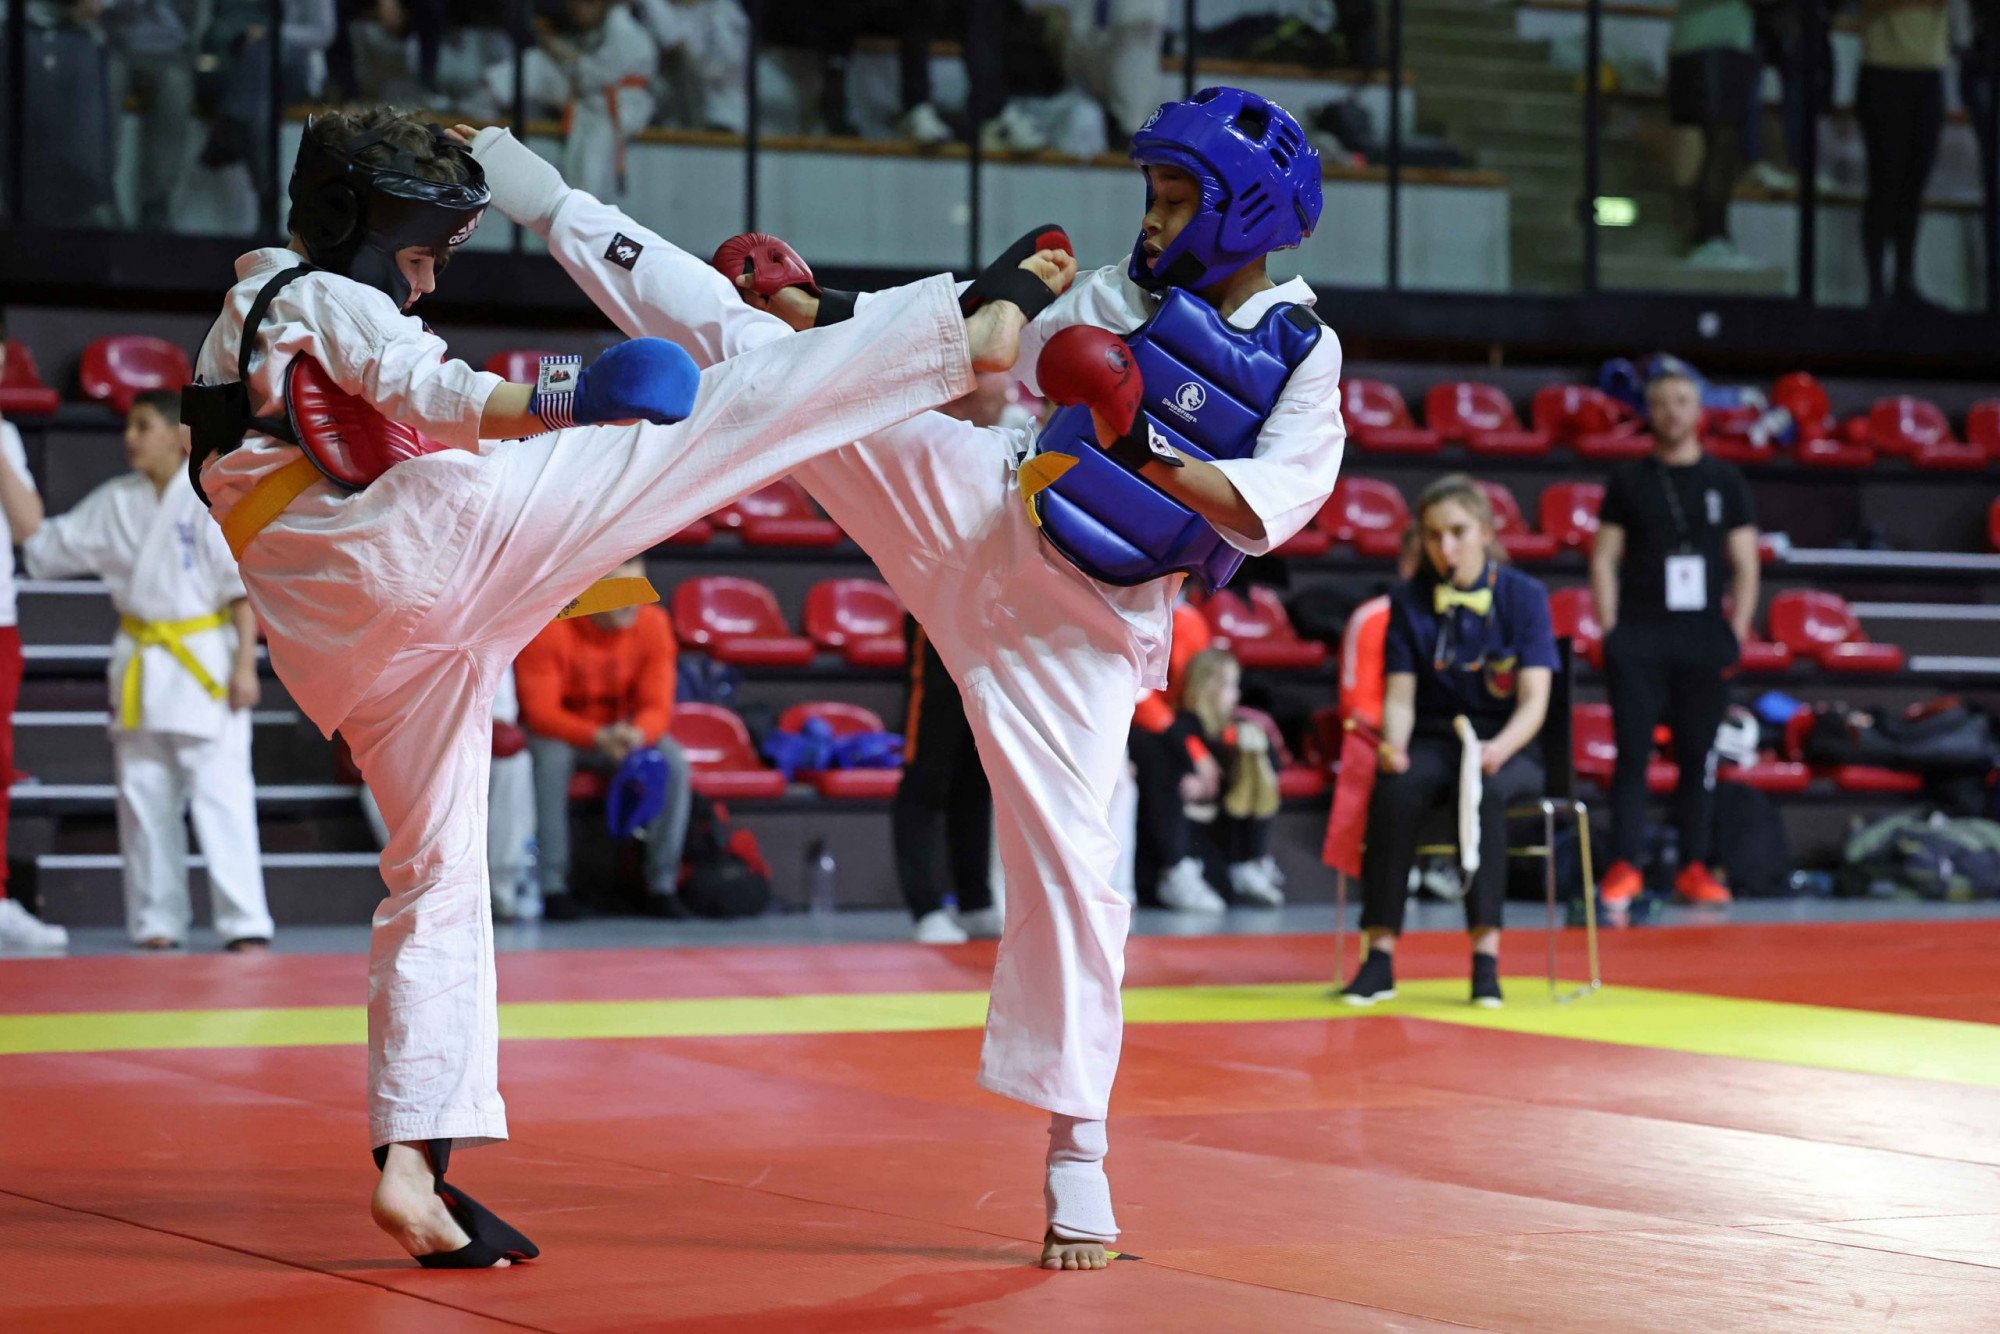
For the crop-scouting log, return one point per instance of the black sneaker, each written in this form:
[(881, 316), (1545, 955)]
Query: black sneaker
[(1486, 982), (1376, 980)]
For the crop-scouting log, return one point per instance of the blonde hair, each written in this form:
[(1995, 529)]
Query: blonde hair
[(1199, 693), (1462, 489)]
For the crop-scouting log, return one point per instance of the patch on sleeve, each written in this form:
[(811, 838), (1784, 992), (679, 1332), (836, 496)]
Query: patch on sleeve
[(623, 251)]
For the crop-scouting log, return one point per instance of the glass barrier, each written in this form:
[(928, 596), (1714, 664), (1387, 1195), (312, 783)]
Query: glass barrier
[(1485, 146)]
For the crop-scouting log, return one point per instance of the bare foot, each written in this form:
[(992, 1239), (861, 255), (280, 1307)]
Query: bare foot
[(1060, 1254), (994, 331), (408, 1208)]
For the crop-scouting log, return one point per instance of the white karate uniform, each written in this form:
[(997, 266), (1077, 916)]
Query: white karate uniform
[(392, 613), (1050, 661), (605, 95), (188, 756)]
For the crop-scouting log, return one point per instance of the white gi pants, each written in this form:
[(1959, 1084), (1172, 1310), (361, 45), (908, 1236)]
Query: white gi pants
[(544, 519), (163, 781), (1049, 662)]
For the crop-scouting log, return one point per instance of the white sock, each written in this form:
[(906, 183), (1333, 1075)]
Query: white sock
[(1076, 1191), (525, 187)]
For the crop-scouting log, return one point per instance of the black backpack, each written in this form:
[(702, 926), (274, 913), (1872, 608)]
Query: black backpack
[(726, 875), (1749, 843)]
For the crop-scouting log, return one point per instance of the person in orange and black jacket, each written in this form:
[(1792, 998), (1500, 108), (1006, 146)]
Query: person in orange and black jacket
[(593, 690)]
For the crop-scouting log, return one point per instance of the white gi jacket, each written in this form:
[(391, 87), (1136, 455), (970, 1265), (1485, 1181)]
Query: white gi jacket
[(16, 458), (166, 564)]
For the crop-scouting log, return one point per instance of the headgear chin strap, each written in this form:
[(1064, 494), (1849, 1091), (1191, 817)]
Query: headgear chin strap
[(353, 216), (1259, 180)]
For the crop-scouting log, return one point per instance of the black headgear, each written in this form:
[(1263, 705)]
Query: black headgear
[(353, 217)]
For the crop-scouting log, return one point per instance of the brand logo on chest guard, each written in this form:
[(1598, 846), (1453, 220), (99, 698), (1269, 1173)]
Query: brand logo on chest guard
[(1188, 400), (623, 251)]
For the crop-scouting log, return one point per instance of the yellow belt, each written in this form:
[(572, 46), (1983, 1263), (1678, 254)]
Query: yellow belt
[(169, 636), (267, 500)]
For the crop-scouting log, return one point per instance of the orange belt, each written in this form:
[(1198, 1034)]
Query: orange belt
[(268, 498)]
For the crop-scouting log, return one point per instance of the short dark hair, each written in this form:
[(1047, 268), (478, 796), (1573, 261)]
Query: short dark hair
[(166, 402), (402, 132)]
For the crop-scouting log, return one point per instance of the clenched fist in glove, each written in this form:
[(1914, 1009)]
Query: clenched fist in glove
[(1093, 366), (646, 379)]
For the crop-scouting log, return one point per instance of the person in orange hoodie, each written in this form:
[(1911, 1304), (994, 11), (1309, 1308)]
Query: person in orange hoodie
[(1173, 768), (593, 690)]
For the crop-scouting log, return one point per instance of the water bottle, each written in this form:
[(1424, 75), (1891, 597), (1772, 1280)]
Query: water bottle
[(821, 873)]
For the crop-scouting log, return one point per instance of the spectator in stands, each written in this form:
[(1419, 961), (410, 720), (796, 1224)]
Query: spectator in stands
[(593, 690), (1899, 101), (239, 39), (1169, 772), (595, 67), (1025, 67), (183, 678), (1978, 90), (709, 42), (832, 27), (1712, 74), (942, 816), (1676, 537), (1229, 806), (1781, 45), (152, 59), (1113, 52), (68, 123), (20, 930), (1469, 639)]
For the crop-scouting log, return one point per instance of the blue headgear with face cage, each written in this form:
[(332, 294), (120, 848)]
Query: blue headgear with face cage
[(1259, 181)]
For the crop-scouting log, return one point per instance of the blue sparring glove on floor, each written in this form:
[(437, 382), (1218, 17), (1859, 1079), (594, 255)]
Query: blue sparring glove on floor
[(646, 379)]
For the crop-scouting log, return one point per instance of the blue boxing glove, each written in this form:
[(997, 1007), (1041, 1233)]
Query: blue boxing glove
[(646, 379)]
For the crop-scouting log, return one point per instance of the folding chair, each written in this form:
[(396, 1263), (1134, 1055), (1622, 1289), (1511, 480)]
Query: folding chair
[(1559, 798)]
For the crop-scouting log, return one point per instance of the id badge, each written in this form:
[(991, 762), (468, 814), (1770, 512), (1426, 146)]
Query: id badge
[(1687, 583)]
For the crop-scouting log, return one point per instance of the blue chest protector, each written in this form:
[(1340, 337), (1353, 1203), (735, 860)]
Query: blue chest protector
[(1209, 388)]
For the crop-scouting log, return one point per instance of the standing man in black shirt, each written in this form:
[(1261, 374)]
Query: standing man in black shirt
[(1676, 537)]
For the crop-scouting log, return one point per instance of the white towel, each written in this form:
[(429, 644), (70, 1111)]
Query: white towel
[(1470, 779)]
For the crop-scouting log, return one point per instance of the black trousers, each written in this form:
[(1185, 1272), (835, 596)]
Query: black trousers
[(1667, 671), (942, 817), (1160, 761), (1397, 820), (1902, 118)]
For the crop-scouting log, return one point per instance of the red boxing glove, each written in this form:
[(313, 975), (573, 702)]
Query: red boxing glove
[(771, 264), (347, 438), (1086, 364)]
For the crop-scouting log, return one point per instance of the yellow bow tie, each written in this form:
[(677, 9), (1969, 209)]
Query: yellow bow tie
[(1479, 601)]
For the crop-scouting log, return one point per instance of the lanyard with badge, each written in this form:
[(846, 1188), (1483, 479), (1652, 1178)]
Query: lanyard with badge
[(1687, 569)]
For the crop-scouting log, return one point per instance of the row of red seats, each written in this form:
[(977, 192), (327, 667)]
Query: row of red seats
[(1805, 624), (1370, 515), (1596, 426), (1596, 755), (113, 371), (726, 765)]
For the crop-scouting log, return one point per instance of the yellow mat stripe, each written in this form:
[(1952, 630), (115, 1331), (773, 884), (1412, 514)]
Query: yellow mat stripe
[(1822, 1037)]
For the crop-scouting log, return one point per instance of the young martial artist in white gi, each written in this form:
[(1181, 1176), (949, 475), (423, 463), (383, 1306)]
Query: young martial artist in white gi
[(1045, 570), (393, 602), (183, 678)]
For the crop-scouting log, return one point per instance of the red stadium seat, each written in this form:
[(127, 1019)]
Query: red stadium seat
[(1768, 775), (860, 619), (118, 369), (737, 621), (1378, 419), (1982, 426), (779, 515), (1833, 452), (719, 753), (845, 720), (1630, 440), (1300, 780), (1569, 512), (1573, 615), (1900, 424), (1740, 449), (22, 393), (1590, 421), (519, 364), (1511, 526), (1993, 525), (1868, 778), (694, 535), (1805, 398), (1480, 417), (1259, 632), (1308, 542), (1948, 456), (1596, 750), (1820, 626), (1367, 512), (1761, 655)]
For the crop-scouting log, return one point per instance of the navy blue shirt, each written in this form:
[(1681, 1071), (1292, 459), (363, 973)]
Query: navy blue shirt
[(1466, 662)]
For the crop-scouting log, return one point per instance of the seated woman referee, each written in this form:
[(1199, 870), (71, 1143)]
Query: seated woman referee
[(1468, 637)]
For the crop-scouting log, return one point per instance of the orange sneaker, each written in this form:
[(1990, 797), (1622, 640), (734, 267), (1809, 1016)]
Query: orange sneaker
[(1621, 884), (1695, 885)]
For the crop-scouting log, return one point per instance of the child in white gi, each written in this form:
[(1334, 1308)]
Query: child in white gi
[(1050, 658), (391, 612), (183, 679)]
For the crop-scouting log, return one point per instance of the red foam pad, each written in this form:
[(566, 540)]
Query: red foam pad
[(875, 651), (1300, 780), (856, 784), (763, 650), (1868, 778), (1282, 655), (1861, 657), (1509, 444), (1397, 439), (29, 402), (1779, 776), (773, 532), (722, 784)]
